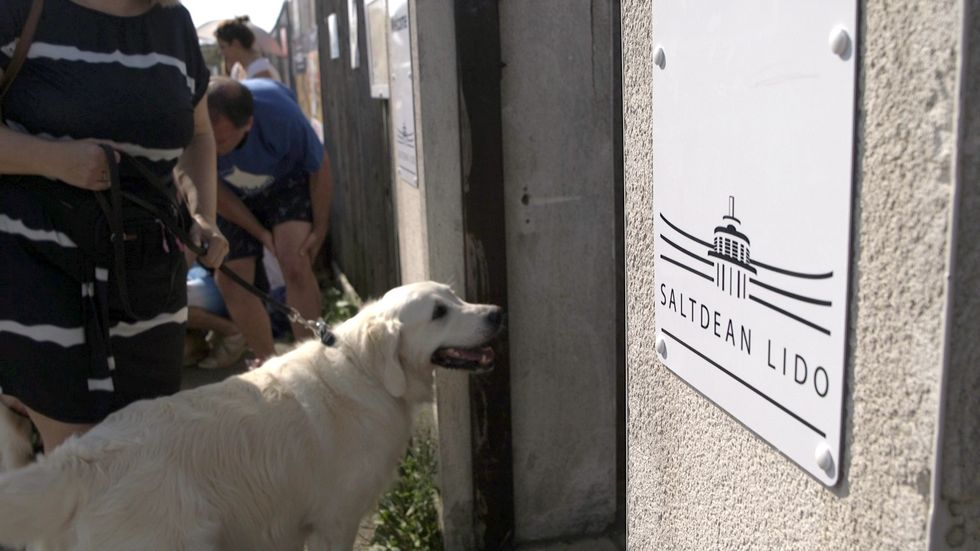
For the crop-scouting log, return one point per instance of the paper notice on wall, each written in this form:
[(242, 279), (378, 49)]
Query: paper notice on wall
[(402, 92)]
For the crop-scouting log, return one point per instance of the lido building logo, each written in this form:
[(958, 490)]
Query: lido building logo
[(789, 359), (728, 263)]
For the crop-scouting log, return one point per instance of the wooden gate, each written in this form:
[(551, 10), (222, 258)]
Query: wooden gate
[(363, 231)]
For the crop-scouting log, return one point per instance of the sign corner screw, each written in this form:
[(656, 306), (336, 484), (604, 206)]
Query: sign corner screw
[(840, 41), (662, 348), (660, 57), (823, 457)]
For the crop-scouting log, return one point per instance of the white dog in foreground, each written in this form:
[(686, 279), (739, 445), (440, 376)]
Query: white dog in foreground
[(292, 453)]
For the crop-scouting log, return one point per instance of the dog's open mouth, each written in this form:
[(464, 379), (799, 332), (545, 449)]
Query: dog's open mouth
[(479, 358)]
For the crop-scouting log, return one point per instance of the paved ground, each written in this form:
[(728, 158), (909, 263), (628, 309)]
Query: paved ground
[(194, 377)]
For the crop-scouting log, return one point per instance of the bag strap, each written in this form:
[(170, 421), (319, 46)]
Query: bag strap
[(23, 45), (112, 208)]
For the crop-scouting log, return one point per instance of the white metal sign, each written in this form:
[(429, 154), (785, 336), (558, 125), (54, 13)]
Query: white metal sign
[(753, 126), (402, 92)]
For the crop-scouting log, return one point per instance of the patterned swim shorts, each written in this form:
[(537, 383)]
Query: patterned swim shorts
[(287, 199)]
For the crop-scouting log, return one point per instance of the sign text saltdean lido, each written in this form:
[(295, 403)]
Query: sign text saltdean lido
[(779, 359)]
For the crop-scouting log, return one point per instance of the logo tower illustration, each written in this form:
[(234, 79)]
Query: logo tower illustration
[(731, 247)]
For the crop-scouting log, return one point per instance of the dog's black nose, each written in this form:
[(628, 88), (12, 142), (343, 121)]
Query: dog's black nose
[(495, 317)]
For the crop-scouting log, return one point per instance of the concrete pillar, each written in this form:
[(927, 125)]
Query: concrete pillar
[(441, 173), (559, 191), (559, 185)]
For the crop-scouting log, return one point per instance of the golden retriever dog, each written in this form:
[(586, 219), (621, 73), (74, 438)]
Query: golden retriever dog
[(293, 453)]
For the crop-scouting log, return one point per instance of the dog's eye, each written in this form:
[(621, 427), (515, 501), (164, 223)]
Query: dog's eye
[(440, 311)]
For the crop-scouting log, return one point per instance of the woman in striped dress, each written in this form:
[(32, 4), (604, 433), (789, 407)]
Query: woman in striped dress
[(127, 74)]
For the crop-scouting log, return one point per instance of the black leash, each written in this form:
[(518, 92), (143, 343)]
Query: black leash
[(318, 327)]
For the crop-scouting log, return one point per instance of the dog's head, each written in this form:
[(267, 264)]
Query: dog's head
[(416, 327)]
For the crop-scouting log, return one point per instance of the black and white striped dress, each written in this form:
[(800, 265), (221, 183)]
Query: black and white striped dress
[(67, 349)]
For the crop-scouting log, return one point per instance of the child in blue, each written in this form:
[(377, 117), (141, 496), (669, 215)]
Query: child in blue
[(274, 191), (224, 344)]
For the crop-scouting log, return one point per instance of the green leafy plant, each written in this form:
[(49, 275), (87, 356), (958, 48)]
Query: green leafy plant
[(336, 307), (407, 519)]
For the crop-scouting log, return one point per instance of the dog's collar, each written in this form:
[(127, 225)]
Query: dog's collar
[(318, 327)]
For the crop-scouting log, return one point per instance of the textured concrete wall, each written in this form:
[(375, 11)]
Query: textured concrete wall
[(558, 172), (698, 479), (959, 499)]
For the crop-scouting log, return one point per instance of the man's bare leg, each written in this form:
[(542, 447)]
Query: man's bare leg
[(302, 291), (199, 318), (246, 310)]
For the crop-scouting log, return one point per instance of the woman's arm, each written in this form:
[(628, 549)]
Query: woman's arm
[(80, 163), (198, 163)]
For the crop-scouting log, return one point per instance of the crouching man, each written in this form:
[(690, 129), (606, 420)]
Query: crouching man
[(274, 191)]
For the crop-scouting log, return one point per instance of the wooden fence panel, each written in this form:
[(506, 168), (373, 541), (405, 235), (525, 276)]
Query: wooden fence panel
[(363, 230)]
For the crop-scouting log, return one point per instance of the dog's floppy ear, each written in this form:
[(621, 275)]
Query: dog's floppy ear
[(392, 374), (383, 339), (413, 310)]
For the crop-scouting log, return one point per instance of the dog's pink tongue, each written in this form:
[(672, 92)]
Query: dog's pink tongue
[(481, 355)]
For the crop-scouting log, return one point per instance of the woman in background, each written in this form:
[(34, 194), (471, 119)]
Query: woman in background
[(237, 43)]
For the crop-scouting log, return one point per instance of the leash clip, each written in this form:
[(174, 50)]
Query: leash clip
[(323, 333), (318, 327)]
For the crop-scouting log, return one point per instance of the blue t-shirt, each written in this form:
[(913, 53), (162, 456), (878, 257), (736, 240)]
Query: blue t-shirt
[(280, 143)]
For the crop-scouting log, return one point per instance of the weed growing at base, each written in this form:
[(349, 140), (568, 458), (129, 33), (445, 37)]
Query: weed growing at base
[(407, 518), (336, 307)]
